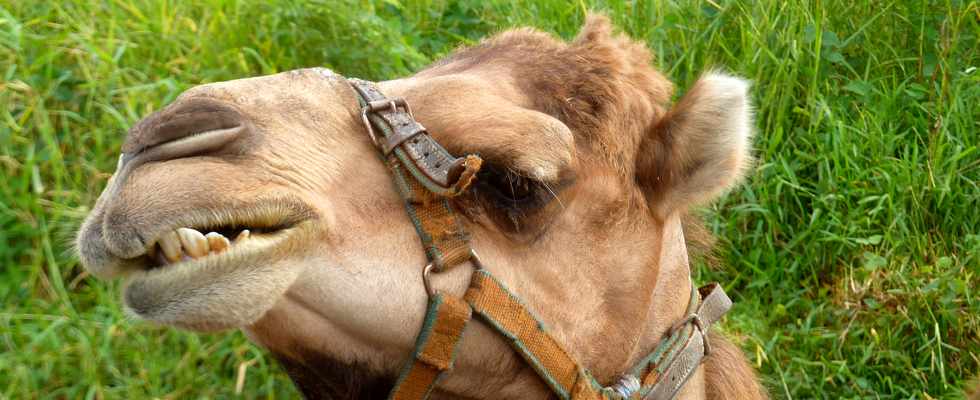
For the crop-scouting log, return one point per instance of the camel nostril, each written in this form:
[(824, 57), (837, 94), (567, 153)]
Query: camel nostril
[(197, 143), (189, 127), (194, 126)]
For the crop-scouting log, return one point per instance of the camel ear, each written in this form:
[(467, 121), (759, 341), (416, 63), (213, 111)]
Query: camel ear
[(700, 148)]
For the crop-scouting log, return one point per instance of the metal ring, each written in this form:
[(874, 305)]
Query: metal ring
[(432, 266), (475, 259), (425, 279), (680, 324), (696, 321)]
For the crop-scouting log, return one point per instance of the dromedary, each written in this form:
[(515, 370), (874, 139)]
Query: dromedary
[(262, 204)]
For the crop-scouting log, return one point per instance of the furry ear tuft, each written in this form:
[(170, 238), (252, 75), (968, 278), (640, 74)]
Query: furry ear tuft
[(700, 148), (596, 28)]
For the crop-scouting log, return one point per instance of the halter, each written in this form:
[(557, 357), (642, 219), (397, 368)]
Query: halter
[(427, 177)]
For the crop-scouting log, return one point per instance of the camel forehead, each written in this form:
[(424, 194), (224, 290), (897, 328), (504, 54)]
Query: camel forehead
[(277, 81), (319, 86)]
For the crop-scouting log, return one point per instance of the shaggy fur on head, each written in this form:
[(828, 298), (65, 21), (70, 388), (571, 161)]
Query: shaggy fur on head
[(597, 78)]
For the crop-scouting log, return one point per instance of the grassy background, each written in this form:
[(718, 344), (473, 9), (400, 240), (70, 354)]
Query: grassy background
[(853, 251)]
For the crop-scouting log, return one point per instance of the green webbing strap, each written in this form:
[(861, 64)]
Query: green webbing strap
[(668, 347)]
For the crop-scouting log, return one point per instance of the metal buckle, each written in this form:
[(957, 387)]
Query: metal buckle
[(375, 106), (367, 124), (693, 319), (626, 386), (475, 259), (434, 266)]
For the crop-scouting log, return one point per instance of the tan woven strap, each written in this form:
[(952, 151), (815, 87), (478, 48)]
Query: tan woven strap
[(673, 362)]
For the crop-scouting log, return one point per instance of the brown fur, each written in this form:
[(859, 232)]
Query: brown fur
[(602, 260), (973, 389), (728, 375), (319, 377)]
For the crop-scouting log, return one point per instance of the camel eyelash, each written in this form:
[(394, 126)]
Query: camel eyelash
[(509, 191)]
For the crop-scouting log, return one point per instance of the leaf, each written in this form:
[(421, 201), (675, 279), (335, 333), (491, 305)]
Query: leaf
[(916, 91), (709, 10), (834, 57), (809, 33), (863, 383), (830, 39), (870, 240), (394, 3), (873, 261), (860, 87)]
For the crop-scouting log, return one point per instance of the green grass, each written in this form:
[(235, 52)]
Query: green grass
[(853, 251)]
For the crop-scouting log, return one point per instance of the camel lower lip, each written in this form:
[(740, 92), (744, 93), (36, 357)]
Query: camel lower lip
[(225, 290)]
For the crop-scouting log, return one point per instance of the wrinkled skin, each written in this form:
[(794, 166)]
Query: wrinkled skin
[(332, 284)]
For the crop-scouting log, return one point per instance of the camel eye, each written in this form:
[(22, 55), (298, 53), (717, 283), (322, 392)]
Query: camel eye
[(507, 189)]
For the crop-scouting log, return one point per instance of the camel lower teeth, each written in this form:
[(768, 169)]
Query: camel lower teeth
[(217, 242)]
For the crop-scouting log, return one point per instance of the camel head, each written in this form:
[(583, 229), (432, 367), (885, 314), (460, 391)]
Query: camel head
[(588, 168)]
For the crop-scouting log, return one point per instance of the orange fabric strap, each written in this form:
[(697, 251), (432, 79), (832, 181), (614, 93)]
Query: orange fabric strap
[(426, 177), (444, 239), (658, 376), (435, 348), (528, 336)]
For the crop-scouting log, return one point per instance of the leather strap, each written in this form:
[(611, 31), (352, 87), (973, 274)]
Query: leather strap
[(425, 174), (394, 130)]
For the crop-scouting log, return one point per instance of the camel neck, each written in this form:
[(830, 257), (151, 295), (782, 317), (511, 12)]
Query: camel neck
[(671, 291)]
